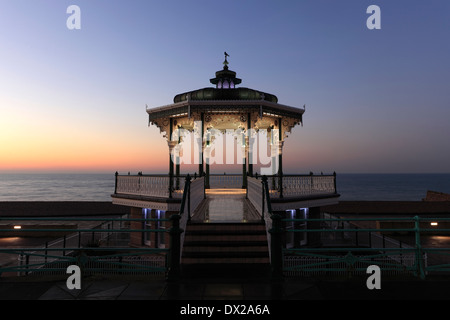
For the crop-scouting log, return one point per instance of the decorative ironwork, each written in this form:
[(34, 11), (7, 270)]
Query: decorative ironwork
[(302, 185), (149, 186)]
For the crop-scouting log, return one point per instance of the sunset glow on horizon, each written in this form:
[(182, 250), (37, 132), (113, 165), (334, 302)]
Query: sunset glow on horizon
[(377, 101)]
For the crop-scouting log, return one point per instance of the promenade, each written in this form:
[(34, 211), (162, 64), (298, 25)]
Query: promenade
[(237, 287), (237, 282)]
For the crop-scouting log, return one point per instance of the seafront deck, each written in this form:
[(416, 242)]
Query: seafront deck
[(229, 281)]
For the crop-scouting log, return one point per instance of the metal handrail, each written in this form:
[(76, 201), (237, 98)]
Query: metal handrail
[(177, 232), (274, 232), (420, 267), (65, 255), (309, 184)]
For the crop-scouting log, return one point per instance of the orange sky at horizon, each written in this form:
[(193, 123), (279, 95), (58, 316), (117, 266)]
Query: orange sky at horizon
[(34, 141)]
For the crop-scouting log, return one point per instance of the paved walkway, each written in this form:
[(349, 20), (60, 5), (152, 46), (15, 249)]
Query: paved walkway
[(223, 282), (117, 289)]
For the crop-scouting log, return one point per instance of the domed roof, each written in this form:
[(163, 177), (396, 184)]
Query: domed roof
[(225, 94), (225, 89)]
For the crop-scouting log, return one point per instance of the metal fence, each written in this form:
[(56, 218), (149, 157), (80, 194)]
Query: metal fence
[(111, 265), (390, 254), (300, 185), (364, 246), (101, 248), (162, 186), (346, 265)]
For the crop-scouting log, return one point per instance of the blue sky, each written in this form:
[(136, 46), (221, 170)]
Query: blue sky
[(74, 100)]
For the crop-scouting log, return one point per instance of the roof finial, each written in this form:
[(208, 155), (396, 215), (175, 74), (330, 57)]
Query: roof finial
[(226, 62)]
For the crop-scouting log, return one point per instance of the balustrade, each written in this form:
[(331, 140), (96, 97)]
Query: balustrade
[(301, 185), (149, 185), (292, 185)]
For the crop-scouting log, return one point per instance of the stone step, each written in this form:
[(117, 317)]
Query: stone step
[(245, 247), (222, 227), (211, 237), (246, 271), (223, 261), (225, 257), (225, 243)]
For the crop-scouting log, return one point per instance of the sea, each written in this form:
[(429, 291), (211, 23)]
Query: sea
[(99, 187)]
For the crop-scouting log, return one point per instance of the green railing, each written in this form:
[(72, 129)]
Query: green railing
[(94, 253), (92, 249), (353, 259)]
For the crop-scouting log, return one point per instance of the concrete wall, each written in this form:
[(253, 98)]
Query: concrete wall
[(59, 208)]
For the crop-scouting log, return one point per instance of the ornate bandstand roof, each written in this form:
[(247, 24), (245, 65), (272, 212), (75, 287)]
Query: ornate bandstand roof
[(225, 100)]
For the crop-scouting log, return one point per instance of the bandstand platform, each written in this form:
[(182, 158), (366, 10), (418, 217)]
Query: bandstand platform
[(229, 218)]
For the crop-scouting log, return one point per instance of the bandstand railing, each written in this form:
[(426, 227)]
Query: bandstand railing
[(164, 186), (193, 195), (258, 193), (295, 185), (151, 185)]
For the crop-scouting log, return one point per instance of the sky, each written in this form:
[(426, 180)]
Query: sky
[(74, 100)]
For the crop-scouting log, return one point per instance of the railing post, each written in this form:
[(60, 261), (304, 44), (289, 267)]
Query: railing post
[(188, 184), (419, 259), (335, 184), (175, 248), (204, 186), (46, 252), (64, 245), (276, 248), (264, 184), (280, 182), (115, 182), (207, 186), (21, 256), (27, 263)]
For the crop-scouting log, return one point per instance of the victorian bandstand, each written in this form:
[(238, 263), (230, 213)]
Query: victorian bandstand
[(225, 218)]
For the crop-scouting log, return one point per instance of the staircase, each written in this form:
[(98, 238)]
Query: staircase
[(225, 244)]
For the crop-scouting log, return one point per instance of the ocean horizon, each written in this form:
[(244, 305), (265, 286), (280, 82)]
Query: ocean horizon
[(100, 186)]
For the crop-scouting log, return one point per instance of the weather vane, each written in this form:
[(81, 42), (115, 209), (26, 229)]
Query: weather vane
[(226, 62)]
